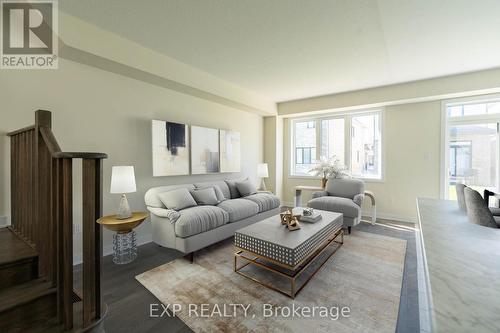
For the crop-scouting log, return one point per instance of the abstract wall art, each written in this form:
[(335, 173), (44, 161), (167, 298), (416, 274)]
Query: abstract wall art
[(170, 148), (204, 150), (230, 150)]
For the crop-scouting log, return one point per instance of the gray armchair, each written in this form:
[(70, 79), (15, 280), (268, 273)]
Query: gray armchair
[(460, 188), (478, 211), (341, 196)]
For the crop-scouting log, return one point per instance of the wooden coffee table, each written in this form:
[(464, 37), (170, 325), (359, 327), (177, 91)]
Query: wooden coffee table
[(269, 245)]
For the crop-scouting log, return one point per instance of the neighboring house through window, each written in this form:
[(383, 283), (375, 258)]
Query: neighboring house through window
[(354, 138)]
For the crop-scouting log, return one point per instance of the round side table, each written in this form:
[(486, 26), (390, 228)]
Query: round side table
[(124, 239)]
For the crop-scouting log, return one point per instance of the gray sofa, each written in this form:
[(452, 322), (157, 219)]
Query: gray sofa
[(342, 195), (194, 228)]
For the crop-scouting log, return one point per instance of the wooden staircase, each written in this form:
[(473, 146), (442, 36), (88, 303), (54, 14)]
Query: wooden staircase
[(36, 251)]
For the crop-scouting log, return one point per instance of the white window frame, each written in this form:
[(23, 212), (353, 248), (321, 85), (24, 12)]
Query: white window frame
[(347, 116), (447, 122)]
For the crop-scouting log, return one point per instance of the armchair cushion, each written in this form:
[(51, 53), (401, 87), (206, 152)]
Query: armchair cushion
[(336, 204), (345, 187), (319, 194)]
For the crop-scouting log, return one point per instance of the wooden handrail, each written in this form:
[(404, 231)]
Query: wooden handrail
[(42, 212), (21, 130), (81, 155)]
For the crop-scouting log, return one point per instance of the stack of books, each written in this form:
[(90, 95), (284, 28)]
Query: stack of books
[(315, 217)]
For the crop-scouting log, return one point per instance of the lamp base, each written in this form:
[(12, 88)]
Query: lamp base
[(124, 211), (262, 185)]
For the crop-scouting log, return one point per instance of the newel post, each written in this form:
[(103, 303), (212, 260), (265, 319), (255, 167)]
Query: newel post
[(92, 239)]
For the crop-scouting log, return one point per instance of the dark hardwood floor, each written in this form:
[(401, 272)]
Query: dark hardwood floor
[(129, 301)]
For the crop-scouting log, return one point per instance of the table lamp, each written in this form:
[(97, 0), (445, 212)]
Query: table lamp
[(263, 173), (123, 181)]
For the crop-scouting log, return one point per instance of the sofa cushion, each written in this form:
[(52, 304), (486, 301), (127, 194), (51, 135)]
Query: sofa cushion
[(177, 199), (205, 196), (337, 205), (246, 188), (239, 209), (266, 201), (222, 185), (196, 220)]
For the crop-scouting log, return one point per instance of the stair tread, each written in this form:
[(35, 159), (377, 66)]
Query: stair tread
[(24, 293), (13, 248)]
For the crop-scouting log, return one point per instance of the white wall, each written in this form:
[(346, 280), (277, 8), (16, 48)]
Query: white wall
[(95, 110), (78, 34)]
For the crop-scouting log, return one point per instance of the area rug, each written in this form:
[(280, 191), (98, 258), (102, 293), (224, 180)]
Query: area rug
[(357, 290)]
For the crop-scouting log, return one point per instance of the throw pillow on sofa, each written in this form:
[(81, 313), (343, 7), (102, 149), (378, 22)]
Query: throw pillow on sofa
[(220, 195), (233, 189), (177, 199), (246, 188), (205, 196), (218, 191)]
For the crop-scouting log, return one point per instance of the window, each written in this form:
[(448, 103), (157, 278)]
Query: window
[(332, 138), (460, 158), (355, 139), (365, 146), (311, 124), (305, 155), (305, 146), (473, 108), (472, 145)]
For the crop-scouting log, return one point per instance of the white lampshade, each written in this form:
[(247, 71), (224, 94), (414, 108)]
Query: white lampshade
[(262, 170), (123, 180)]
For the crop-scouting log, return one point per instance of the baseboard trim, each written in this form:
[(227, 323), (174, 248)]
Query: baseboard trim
[(395, 217), (108, 249)]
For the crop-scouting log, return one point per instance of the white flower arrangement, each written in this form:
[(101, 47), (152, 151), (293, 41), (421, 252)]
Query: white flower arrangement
[(330, 168)]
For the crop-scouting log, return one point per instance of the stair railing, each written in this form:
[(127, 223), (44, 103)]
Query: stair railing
[(42, 213)]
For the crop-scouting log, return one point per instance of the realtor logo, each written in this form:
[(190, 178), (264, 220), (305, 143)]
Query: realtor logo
[(29, 34)]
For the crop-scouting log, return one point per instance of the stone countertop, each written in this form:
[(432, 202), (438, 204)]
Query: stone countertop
[(462, 264)]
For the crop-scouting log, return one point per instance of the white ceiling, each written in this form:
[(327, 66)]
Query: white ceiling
[(291, 49)]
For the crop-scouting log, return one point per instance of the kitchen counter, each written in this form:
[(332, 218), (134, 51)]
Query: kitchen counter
[(459, 270)]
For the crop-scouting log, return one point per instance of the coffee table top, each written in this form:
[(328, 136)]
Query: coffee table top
[(272, 231)]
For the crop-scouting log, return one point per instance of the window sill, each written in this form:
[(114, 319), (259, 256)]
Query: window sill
[(366, 180)]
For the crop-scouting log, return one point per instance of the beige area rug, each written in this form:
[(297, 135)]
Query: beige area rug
[(365, 274)]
